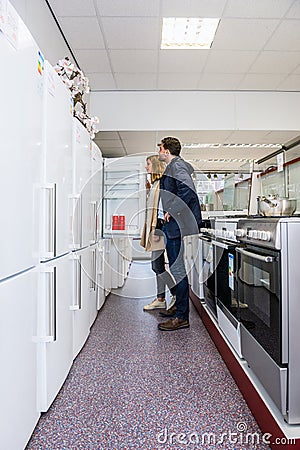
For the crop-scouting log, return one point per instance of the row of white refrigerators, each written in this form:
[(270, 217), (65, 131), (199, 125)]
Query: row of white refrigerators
[(59, 258)]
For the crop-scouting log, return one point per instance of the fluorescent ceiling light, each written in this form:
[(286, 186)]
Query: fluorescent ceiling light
[(221, 160), (229, 145), (188, 33)]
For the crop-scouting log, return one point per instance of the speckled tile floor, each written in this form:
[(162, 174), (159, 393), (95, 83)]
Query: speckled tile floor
[(134, 387)]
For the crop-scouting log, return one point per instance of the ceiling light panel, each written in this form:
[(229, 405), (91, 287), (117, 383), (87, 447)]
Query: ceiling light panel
[(230, 145), (188, 33)]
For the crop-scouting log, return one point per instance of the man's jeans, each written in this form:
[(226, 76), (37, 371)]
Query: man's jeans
[(175, 252)]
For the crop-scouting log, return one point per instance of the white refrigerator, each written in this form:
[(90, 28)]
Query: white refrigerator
[(96, 280), (21, 78), (54, 329), (81, 237)]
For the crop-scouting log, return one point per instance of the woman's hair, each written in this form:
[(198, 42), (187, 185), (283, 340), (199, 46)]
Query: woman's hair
[(158, 168)]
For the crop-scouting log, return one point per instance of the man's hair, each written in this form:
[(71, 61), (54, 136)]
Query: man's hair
[(172, 144)]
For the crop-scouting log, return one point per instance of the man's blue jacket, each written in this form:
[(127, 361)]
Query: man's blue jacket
[(180, 200)]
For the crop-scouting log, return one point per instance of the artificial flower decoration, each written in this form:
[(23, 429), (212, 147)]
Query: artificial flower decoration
[(79, 85)]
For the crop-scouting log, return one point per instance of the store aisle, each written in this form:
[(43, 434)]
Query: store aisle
[(134, 387)]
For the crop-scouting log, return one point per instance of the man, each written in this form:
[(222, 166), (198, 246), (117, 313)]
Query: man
[(182, 217)]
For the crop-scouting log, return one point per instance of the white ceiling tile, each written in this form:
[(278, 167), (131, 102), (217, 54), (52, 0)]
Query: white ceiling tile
[(243, 34), (131, 33), (112, 153), (229, 61), (248, 136), (82, 32), (136, 61), (132, 8), (287, 36), (182, 60), (184, 81), (138, 138), (101, 81), (107, 143), (73, 7), (280, 136), (219, 81), (131, 38), (143, 142), (138, 151), (276, 62), (290, 83), (209, 136), (136, 81), (146, 148), (93, 60), (261, 8), (261, 81), (192, 8), (294, 12), (104, 135)]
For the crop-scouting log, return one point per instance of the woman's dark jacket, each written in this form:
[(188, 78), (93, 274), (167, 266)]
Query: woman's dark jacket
[(180, 200)]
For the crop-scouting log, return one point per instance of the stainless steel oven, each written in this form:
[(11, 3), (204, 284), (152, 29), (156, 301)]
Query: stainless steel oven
[(208, 274), (228, 311), (225, 280), (268, 282)]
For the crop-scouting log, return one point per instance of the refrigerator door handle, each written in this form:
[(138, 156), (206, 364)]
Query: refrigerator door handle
[(94, 222), (100, 261), (76, 221), (95, 270), (75, 304), (50, 314), (78, 299), (49, 244), (52, 307)]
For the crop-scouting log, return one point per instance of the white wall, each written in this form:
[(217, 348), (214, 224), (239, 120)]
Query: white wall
[(39, 20), (196, 110)]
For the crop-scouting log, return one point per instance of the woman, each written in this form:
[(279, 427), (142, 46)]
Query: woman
[(153, 238)]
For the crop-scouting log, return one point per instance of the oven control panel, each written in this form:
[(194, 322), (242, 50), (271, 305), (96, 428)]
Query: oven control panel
[(225, 229), (258, 232), (260, 235)]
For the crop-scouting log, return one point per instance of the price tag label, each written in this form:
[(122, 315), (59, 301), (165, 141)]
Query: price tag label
[(231, 270), (280, 162)]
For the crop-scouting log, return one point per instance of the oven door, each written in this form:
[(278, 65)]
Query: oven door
[(225, 279), (226, 293), (208, 275), (258, 284)]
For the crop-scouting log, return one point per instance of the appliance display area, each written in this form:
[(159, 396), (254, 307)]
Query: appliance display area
[(69, 221)]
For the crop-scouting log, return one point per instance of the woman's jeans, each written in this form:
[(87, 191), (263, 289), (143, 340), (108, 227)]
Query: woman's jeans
[(175, 252), (163, 278)]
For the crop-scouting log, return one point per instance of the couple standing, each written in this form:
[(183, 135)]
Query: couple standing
[(173, 211)]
